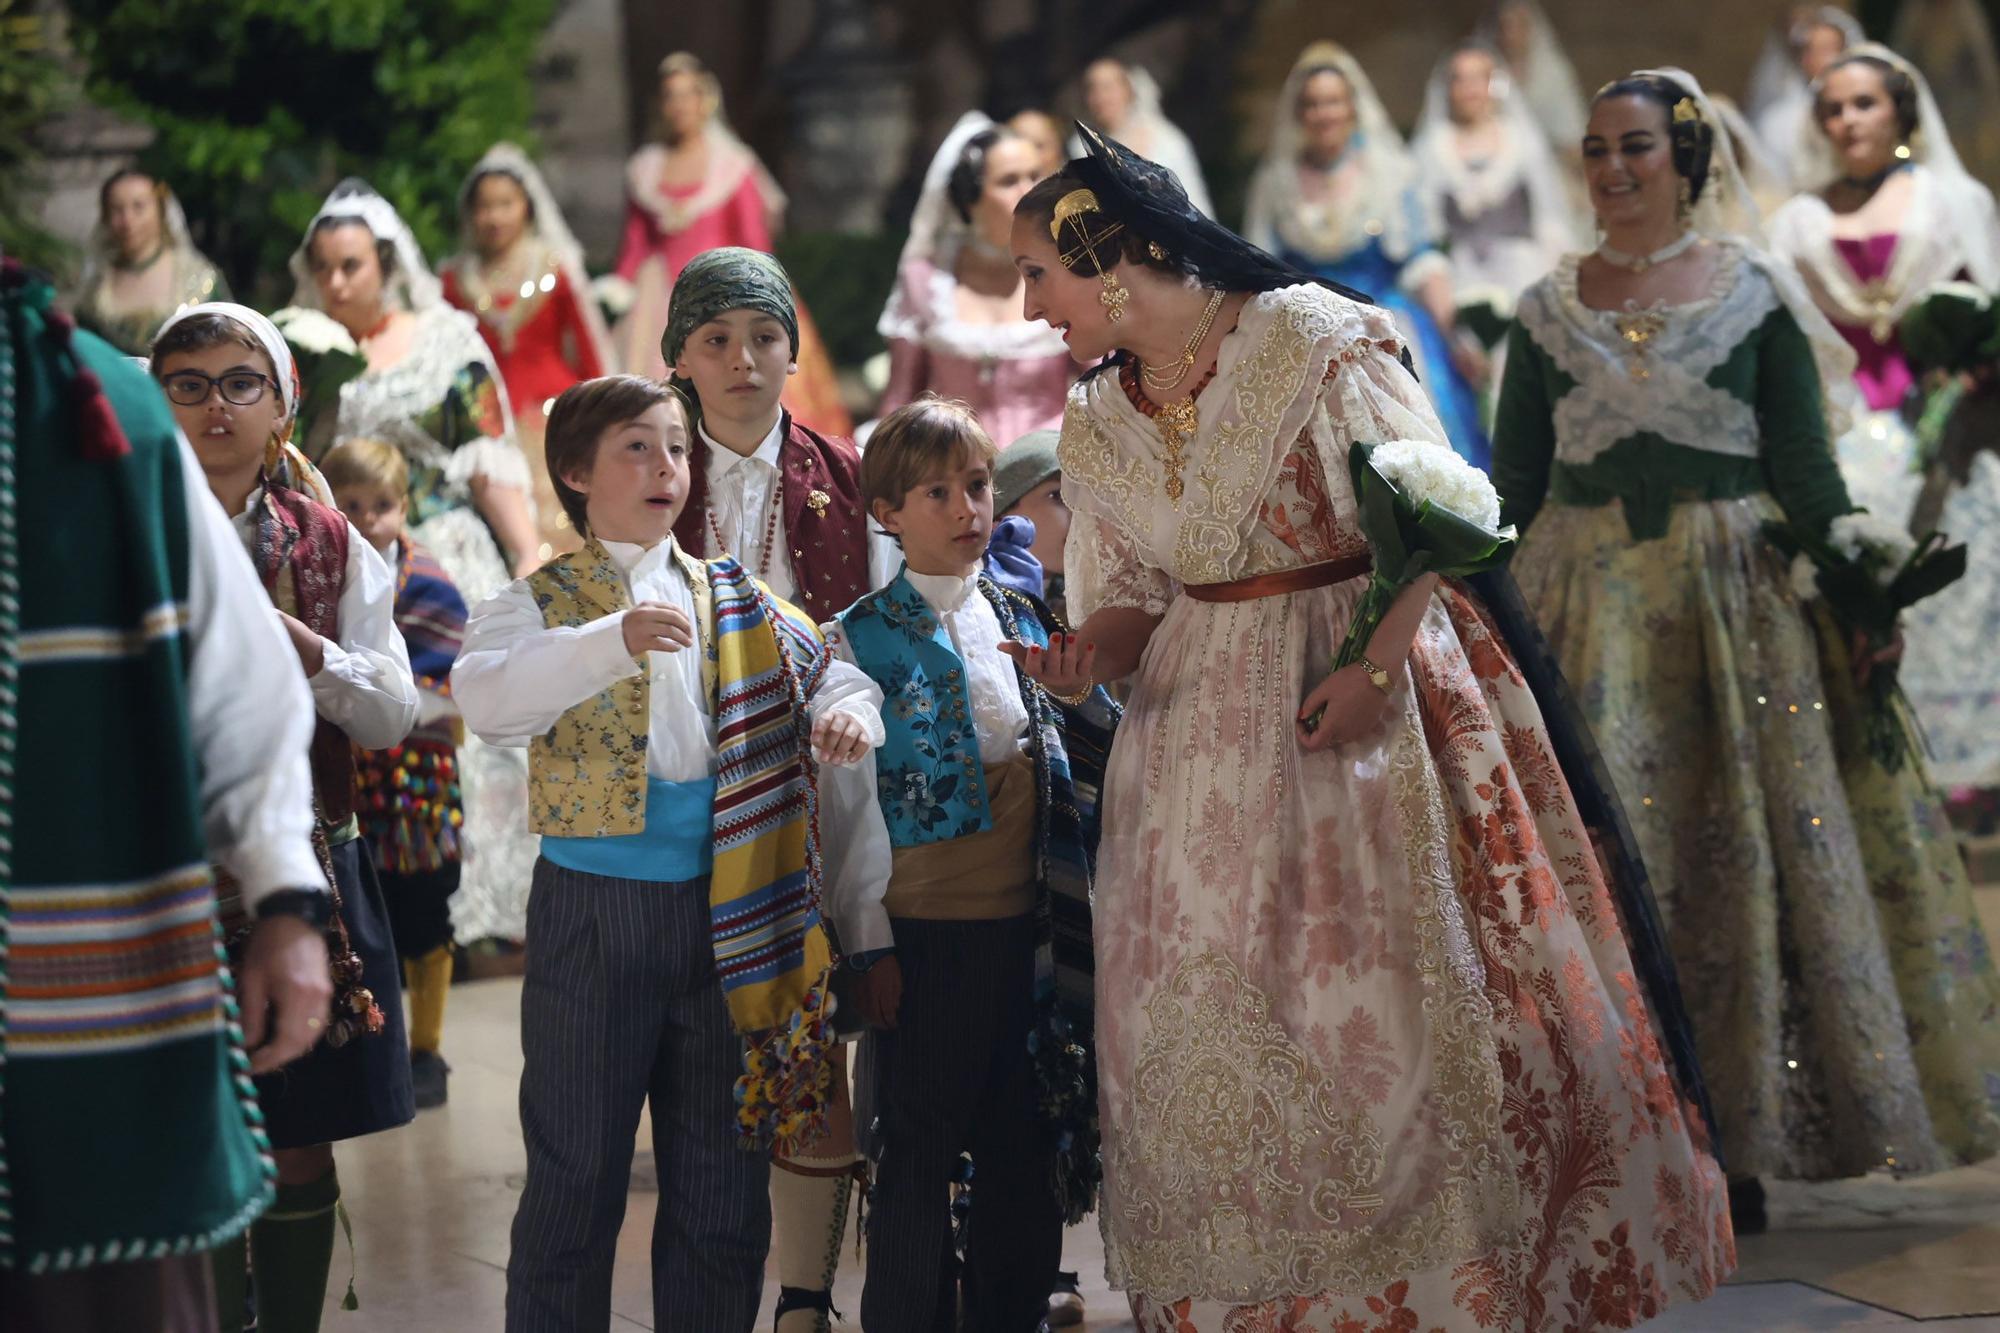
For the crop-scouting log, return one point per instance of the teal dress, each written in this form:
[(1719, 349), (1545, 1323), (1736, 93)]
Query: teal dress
[(1372, 248)]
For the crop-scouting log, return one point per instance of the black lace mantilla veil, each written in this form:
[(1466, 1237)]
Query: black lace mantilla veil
[(1145, 197)]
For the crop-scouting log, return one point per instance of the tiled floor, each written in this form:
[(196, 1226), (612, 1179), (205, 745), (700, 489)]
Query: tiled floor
[(431, 1206)]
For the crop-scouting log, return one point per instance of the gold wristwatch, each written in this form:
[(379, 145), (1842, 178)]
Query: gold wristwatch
[(1376, 675)]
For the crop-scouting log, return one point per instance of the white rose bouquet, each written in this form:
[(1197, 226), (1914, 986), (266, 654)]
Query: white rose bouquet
[(327, 357), (1869, 570), (1424, 511)]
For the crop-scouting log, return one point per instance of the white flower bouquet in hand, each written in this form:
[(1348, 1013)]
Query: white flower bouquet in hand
[(328, 358), (1869, 570), (1424, 510)]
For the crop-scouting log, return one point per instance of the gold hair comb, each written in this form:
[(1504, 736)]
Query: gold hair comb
[(1071, 207), (1685, 111)]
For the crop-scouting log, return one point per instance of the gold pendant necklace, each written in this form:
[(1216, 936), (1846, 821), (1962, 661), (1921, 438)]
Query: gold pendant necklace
[(1159, 379), (1638, 328), (1178, 423)]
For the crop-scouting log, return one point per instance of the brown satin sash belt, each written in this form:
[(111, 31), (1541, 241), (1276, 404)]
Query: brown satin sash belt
[(1283, 582)]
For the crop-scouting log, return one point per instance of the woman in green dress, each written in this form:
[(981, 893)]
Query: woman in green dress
[(1665, 399)]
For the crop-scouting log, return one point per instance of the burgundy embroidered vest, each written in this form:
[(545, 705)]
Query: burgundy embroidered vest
[(300, 551), (826, 524)]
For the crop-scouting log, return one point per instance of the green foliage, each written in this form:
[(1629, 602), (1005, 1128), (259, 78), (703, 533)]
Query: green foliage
[(845, 279), (262, 105), (32, 89)]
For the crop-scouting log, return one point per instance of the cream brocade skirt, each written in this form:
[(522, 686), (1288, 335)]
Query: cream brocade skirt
[(1370, 1048), (1844, 1001)]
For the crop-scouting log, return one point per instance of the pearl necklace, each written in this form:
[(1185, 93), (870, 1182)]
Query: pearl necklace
[(770, 530), (1640, 263)]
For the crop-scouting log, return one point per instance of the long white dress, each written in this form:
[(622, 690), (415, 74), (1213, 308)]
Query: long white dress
[(1371, 1052)]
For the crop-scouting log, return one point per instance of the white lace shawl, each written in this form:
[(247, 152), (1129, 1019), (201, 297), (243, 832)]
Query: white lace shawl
[(1675, 400), (1948, 228)]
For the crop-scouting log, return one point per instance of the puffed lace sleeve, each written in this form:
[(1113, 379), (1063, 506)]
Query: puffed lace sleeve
[(1102, 569), (1369, 394)]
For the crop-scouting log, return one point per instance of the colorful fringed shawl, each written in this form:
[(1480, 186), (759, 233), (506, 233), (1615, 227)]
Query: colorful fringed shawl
[(771, 951)]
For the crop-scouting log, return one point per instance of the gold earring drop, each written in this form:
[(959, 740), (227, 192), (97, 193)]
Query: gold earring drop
[(1113, 297)]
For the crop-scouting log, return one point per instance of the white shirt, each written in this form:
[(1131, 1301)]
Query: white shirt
[(514, 677), (741, 491), (249, 711), (364, 685), (999, 718)]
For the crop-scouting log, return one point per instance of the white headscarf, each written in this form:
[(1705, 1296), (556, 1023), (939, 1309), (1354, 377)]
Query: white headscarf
[(1147, 124), (303, 476), (547, 222), (1951, 225), (1385, 204), (1548, 82), (1524, 158), (103, 254), (1728, 212), (936, 229), (412, 286)]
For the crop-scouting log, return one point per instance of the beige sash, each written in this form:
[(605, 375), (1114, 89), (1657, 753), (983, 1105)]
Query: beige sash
[(986, 876)]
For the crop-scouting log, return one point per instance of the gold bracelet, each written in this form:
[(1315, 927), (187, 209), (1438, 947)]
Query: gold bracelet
[(1074, 700)]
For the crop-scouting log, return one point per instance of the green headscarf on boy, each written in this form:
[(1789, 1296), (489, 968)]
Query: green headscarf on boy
[(717, 281)]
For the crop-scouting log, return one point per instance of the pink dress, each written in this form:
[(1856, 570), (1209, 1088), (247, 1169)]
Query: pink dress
[(667, 225), (1883, 374), (1015, 376), (1371, 1052)]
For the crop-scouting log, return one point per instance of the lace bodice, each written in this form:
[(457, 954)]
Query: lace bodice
[(1304, 374)]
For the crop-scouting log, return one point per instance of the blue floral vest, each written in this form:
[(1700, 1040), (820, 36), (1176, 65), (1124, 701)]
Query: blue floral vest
[(928, 774)]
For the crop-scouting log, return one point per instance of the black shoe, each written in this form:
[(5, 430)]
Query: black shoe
[(1065, 1304), (1746, 1206), (427, 1078), (791, 1299)]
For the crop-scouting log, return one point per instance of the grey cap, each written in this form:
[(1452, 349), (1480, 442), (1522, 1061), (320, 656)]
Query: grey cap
[(1024, 465)]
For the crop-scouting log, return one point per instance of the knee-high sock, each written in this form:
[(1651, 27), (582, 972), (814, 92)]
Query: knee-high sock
[(808, 1221), (230, 1261), (429, 981), (291, 1248)]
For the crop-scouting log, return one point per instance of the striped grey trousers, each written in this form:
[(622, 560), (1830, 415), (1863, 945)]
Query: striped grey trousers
[(621, 1005)]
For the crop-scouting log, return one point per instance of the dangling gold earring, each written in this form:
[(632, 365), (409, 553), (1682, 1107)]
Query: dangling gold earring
[(1113, 297), (1684, 202)]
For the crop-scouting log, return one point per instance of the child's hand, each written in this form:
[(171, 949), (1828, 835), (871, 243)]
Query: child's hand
[(655, 627), (839, 737), (879, 993), (308, 645)]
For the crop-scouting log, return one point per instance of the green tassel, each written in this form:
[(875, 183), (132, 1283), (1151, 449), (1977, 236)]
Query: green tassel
[(350, 1301)]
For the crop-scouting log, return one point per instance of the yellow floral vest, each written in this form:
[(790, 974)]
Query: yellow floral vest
[(587, 773)]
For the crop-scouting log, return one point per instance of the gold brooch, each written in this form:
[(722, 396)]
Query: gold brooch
[(817, 502)]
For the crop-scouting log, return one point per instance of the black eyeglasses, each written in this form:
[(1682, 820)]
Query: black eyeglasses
[(190, 388)]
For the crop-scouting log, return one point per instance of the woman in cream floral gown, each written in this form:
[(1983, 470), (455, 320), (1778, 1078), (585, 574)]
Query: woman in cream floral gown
[(1373, 1051)]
